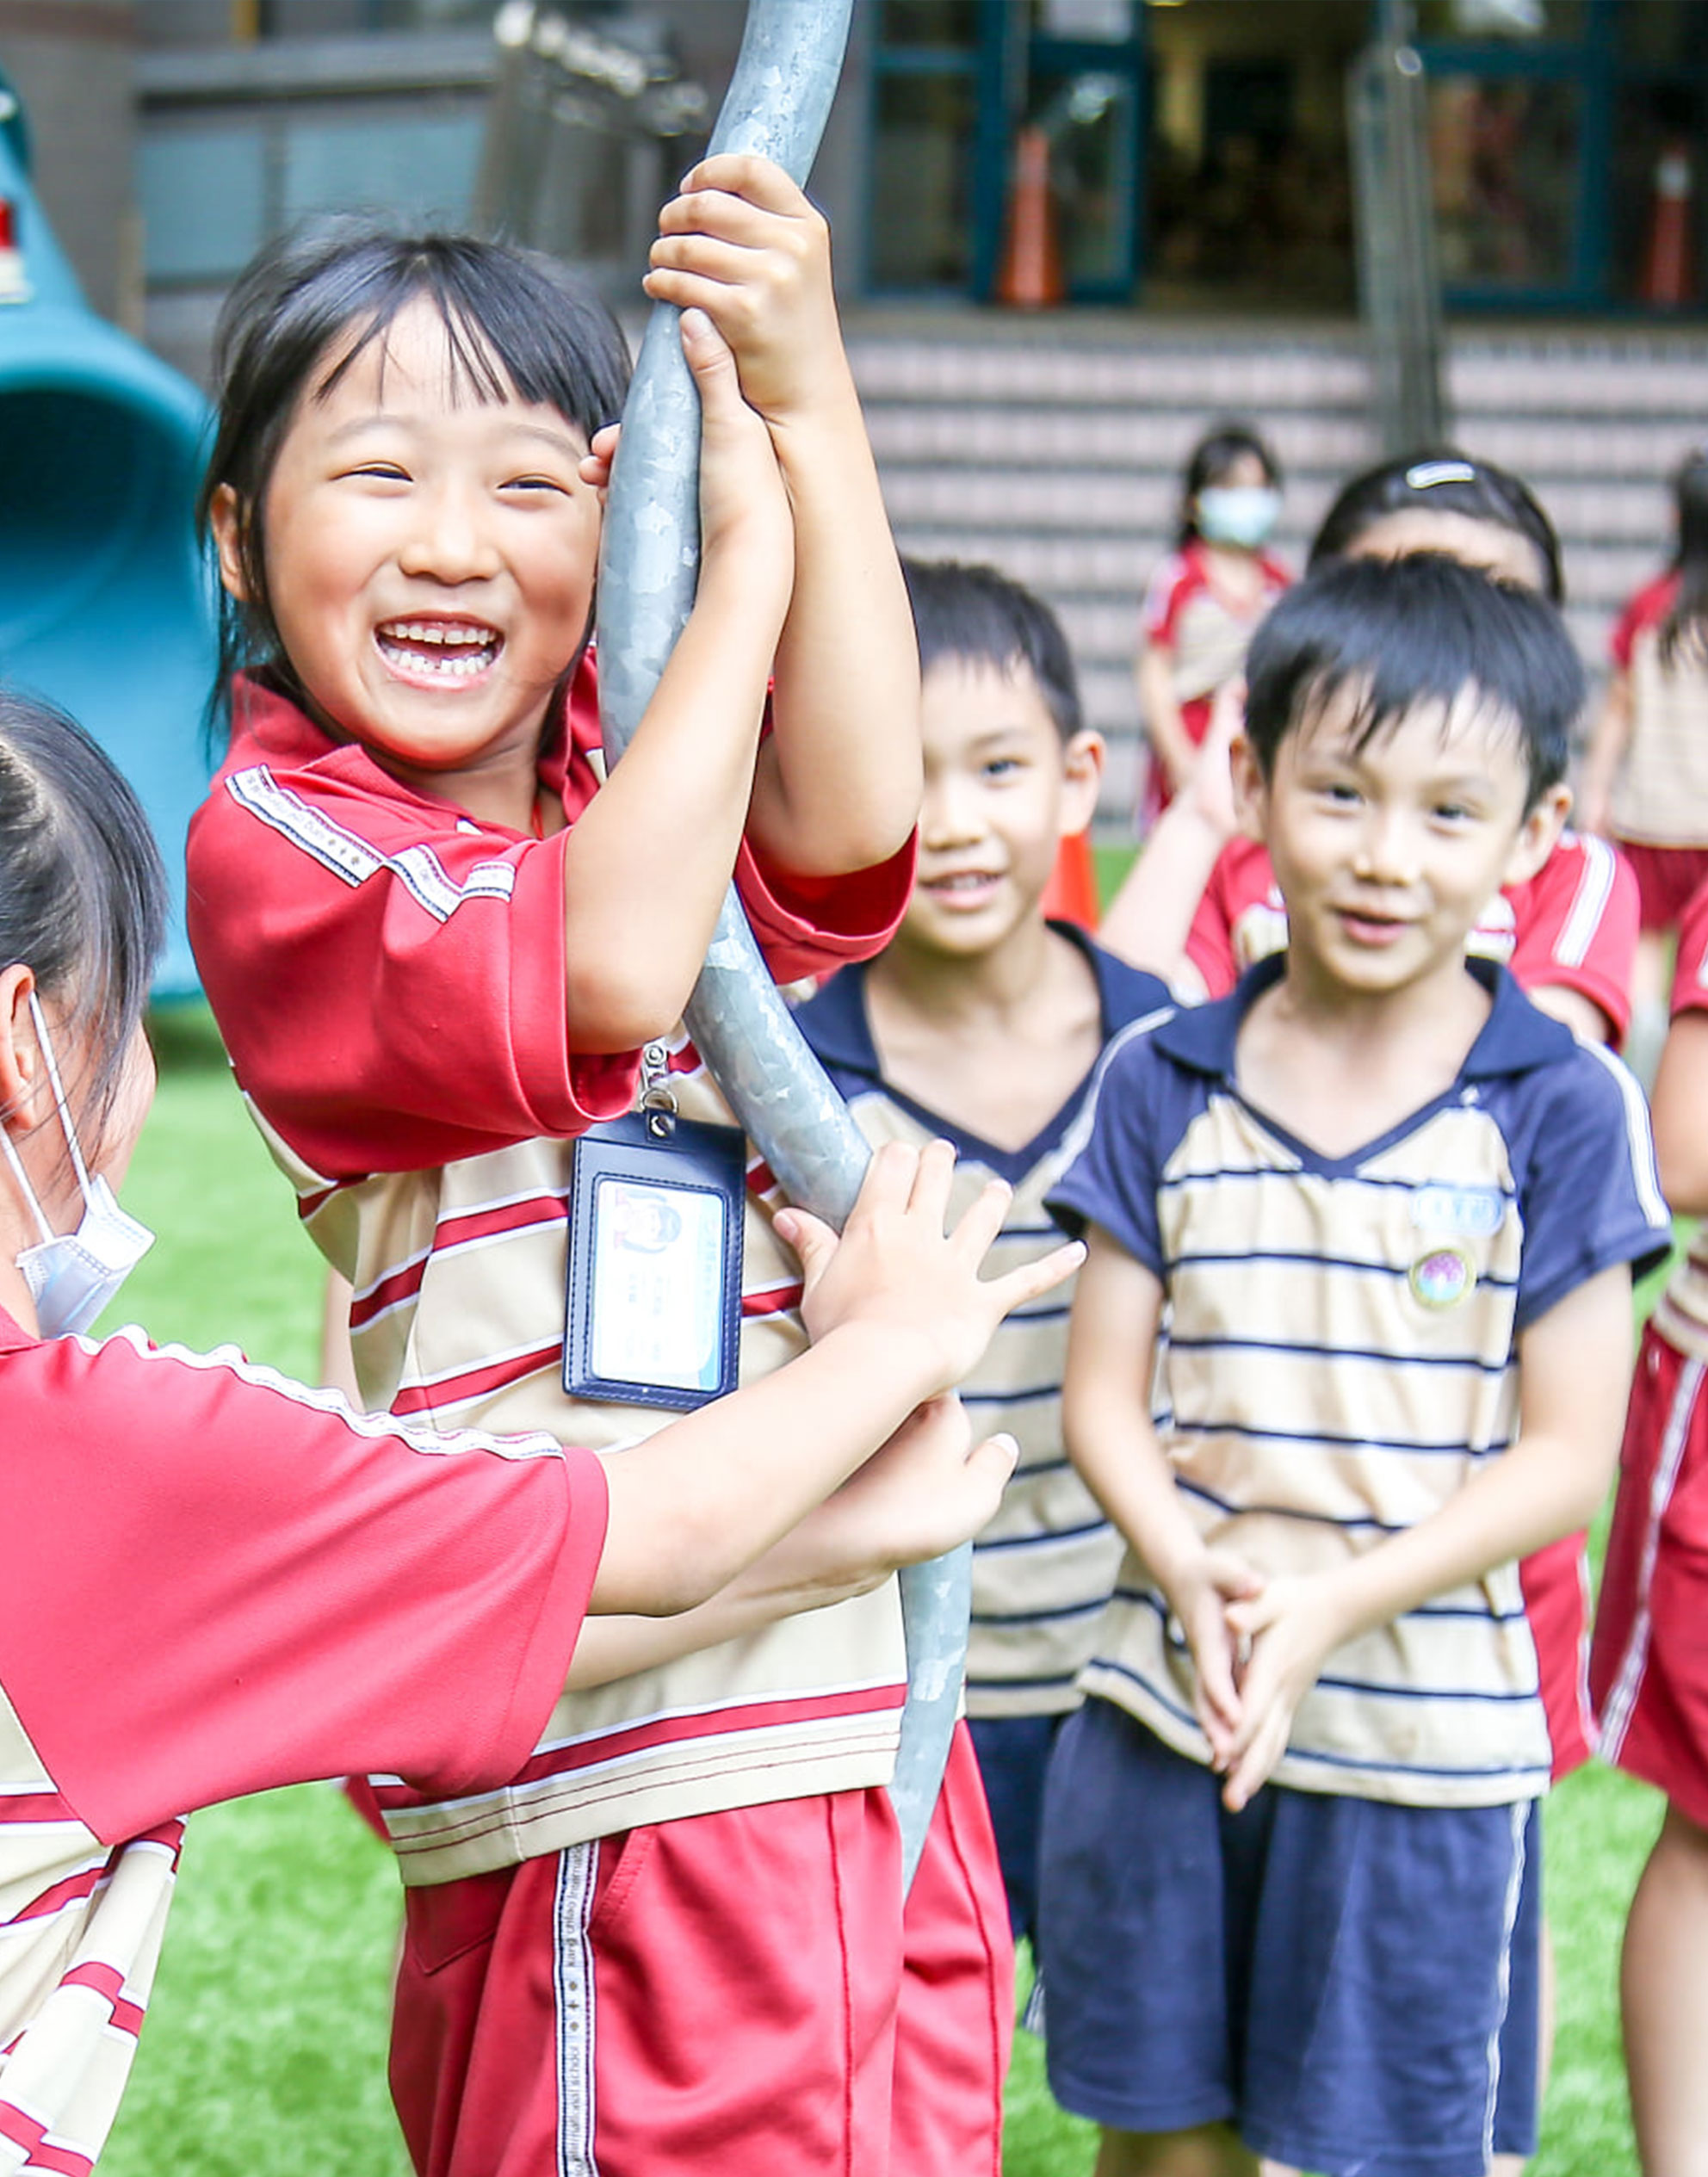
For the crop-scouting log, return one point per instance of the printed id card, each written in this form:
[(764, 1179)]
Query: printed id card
[(655, 1224)]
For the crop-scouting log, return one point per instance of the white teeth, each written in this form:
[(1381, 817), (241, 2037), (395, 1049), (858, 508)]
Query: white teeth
[(436, 631), (462, 651)]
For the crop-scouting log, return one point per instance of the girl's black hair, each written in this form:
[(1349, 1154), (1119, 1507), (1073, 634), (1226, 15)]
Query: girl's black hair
[(1444, 481), (980, 617), (1686, 624), (1210, 462), (82, 894), (515, 322), (1410, 633)]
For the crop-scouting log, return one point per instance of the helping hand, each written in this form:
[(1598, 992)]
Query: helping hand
[(741, 242), (895, 1267), (1292, 1626), (926, 1491)]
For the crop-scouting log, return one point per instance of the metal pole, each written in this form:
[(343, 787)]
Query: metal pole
[(778, 103), (1398, 276)]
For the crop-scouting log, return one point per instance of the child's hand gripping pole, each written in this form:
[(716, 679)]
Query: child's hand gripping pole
[(778, 103)]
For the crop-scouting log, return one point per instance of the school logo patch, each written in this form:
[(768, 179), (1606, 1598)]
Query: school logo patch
[(1442, 1276), (1474, 1212)]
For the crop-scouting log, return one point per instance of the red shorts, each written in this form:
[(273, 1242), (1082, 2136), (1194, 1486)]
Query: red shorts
[(1666, 877), (724, 1995), (1648, 1664)]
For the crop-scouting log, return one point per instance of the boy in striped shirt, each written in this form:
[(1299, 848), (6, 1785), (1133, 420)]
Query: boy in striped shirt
[(1377, 1215), (982, 1022)]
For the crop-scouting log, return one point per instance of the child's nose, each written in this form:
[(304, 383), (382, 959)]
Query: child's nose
[(448, 541), (1388, 846), (948, 814)]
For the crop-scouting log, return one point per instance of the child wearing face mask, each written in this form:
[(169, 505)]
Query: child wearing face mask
[(1205, 600)]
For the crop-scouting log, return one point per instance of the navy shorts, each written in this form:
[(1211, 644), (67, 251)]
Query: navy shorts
[(1352, 1984), (1013, 1754)]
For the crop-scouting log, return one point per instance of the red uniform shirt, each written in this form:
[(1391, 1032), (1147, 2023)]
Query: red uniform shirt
[(1573, 924), (217, 1582), (389, 975)]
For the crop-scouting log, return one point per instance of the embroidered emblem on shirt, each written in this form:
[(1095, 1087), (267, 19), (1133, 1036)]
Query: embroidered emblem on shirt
[(1442, 1276)]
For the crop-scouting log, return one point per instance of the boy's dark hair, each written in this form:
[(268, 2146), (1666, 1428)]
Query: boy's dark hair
[(1444, 481), (1210, 462), (82, 894), (1686, 624), (1403, 633), (980, 617), (513, 319)]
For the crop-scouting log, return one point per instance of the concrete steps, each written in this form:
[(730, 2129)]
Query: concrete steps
[(1052, 448)]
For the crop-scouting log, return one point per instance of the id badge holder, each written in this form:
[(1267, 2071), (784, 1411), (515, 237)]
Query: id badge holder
[(656, 1210)]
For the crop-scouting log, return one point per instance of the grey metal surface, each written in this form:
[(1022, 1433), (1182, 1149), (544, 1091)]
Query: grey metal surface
[(776, 105)]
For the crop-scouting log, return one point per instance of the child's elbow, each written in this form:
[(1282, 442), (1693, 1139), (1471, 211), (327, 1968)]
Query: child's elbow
[(618, 1007)]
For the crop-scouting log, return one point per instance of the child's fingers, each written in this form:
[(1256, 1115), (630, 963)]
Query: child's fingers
[(1033, 1280), (604, 441), (980, 1221), (727, 218), (1250, 1768), (812, 1240), (761, 181), (933, 1178), (702, 257), (889, 1180)]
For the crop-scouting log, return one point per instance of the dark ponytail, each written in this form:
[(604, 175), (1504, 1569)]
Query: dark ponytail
[(83, 896)]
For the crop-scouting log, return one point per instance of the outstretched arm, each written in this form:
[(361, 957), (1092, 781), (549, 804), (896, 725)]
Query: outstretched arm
[(838, 782), (924, 1492), (1150, 918)]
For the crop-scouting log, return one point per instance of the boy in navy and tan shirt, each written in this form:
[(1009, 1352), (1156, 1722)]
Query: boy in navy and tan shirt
[(1377, 1215), (982, 1022)]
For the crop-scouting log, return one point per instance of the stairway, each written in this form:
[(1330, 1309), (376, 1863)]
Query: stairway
[(1052, 447)]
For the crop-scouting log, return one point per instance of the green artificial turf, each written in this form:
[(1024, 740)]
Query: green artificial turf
[(264, 2053)]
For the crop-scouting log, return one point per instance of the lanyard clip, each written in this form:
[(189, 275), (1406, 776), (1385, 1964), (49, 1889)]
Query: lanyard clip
[(658, 1098)]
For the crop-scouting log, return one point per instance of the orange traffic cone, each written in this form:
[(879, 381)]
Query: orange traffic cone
[(1030, 274), (1071, 893), (1669, 278)]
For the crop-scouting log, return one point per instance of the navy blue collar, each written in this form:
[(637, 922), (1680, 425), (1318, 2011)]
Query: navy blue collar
[(1514, 1039), (835, 1023), (840, 1033)]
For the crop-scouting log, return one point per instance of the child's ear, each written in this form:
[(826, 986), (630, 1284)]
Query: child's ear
[(1082, 762), (1538, 835), (19, 1053), (224, 518), (1250, 788)]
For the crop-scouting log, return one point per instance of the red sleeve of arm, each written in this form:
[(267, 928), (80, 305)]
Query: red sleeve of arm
[(218, 1583), (390, 986), (1577, 927), (807, 925)]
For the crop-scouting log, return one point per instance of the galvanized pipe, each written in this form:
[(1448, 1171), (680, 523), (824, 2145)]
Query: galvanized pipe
[(778, 103)]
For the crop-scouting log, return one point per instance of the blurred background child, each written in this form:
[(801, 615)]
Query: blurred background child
[(1645, 778), (1649, 1667), (1206, 599)]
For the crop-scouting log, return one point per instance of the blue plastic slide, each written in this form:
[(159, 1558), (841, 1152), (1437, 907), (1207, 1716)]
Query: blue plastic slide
[(106, 605)]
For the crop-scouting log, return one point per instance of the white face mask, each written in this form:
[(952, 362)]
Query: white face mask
[(71, 1276), (1241, 514)]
